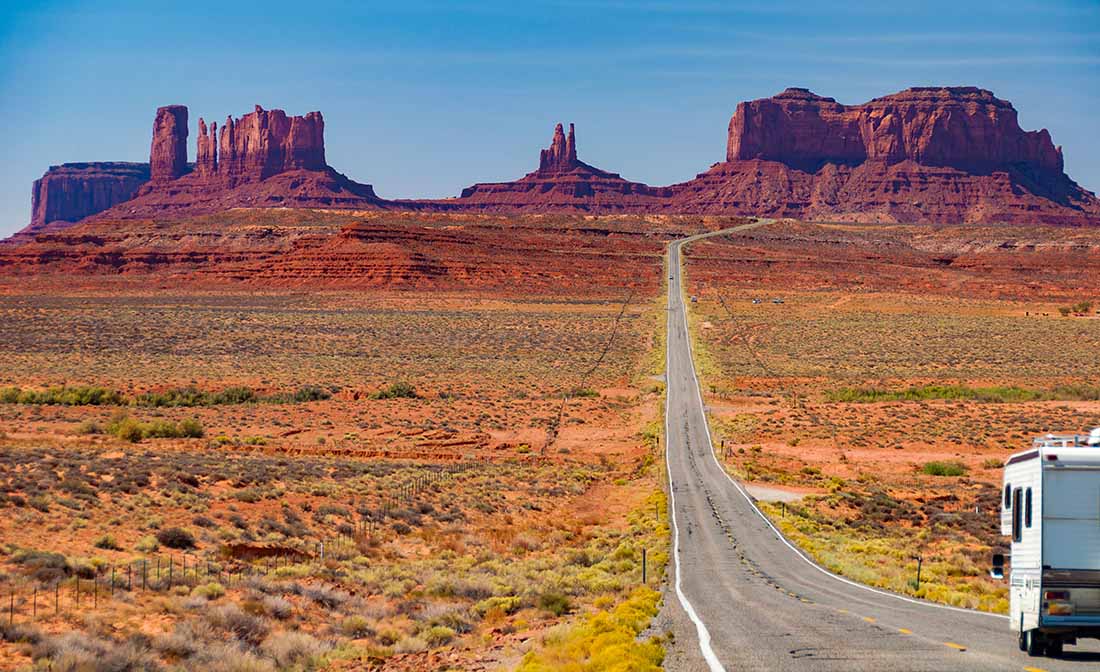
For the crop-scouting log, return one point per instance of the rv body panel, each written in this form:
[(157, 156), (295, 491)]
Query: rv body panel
[(1071, 517), (1050, 510)]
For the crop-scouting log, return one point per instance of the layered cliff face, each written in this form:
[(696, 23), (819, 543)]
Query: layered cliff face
[(263, 159), (561, 183), (958, 127), (941, 155), (261, 144), (256, 250), (72, 191)]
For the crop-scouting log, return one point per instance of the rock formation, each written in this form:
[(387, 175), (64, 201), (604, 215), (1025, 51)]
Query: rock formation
[(561, 156), (206, 158), (261, 144), (72, 191), (958, 127), (927, 154), (262, 159), (561, 183), (168, 154), (352, 250)]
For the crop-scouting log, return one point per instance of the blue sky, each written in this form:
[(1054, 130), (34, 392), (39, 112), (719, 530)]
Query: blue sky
[(423, 98)]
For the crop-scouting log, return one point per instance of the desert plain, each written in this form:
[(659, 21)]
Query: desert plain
[(453, 460)]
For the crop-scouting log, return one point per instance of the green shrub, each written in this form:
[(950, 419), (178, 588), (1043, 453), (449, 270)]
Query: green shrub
[(44, 566), (992, 394), (147, 544), (356, 627), (210, 591), (944, 468), (438, 635), (507, 605), (556, 603), (302, 395), (191, 428), (89, 427), (176, 537), (192, 396), (129, 429), (399, 390), (928, 392), (63, 396), (107, 542)]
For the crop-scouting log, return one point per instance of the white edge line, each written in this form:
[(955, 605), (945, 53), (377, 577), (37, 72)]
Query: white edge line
[(700, 628), (799, 553)]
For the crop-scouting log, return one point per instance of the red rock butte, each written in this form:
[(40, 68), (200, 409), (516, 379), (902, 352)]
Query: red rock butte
[(562, 183), (926, 154)]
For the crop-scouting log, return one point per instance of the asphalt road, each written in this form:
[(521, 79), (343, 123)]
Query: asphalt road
[(741, 598)]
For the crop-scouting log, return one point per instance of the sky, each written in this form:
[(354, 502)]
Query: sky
[(423, 98)]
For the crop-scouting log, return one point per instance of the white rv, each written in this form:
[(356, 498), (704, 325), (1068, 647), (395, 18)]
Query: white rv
[(1050, 508)]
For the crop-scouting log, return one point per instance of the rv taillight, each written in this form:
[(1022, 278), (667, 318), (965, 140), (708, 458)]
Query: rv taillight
[(1056, 595)]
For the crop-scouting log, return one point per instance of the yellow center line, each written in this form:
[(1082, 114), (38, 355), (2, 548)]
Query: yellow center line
[(905, 631), (953, 645), (843, 611), (1034, 669), (868, 619)]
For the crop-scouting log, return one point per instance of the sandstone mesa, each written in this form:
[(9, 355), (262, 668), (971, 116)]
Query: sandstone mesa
[(926, 154)]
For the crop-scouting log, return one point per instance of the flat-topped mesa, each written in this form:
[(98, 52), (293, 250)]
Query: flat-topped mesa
[(72, 191), (561, 156), (168, 153), (959, 127)]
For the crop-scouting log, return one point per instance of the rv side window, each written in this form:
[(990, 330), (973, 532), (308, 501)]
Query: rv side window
[(1027, 508), (1017, 514), (1008, 495)]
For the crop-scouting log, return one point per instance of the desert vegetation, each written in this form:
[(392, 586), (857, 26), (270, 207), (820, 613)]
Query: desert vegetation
[(288, 482), (349, 560)]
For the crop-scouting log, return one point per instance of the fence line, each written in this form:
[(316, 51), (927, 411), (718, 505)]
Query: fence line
[(30, 599)]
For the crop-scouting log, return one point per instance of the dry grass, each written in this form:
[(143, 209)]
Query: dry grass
[(448, 530)]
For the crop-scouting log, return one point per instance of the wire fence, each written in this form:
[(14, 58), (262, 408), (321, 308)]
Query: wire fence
[(63, 591)]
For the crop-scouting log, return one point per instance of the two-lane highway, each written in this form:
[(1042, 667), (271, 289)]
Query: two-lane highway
[(742, 598)]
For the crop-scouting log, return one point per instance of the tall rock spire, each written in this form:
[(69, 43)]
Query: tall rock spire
[(168, 154), (571, 145), (206, 158), (561, 156)]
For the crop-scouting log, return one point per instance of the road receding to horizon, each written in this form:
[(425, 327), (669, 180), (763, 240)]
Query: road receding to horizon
[(741, 597)]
